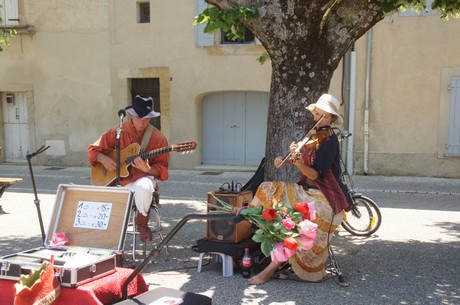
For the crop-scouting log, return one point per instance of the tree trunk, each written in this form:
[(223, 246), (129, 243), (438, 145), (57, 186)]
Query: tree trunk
[(288, 120), (305, 41)]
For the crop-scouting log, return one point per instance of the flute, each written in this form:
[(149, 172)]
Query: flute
[(301, 143)]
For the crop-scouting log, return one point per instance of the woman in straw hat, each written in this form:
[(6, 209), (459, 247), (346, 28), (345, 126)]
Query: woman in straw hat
[(320, 183)]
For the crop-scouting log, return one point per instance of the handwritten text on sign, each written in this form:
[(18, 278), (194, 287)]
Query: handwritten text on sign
[(93, 215)]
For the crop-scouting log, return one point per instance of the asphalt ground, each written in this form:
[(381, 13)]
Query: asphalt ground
[(412, 259)]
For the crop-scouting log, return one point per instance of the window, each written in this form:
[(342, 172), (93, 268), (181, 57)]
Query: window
[(209, 39), (9, 12), (248, 38), (144, 12)]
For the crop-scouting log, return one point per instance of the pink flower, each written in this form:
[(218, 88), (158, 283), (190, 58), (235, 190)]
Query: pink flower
[(306, 242), (278, 255), (308, 228), (60, 239), (281, 254), (288, 252), (288, 223)]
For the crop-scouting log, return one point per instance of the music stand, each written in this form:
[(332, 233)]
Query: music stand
[(36, 200)]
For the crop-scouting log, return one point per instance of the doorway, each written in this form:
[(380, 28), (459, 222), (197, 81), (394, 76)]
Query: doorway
[(15, 126), (234, 128), (148, 87)]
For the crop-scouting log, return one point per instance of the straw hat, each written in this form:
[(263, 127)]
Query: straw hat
[(329, 104)]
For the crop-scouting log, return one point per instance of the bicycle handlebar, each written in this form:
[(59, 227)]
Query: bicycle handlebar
[(341, 135), (345, 135)]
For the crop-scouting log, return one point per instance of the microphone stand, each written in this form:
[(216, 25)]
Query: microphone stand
[(37, 201), (121, 115)]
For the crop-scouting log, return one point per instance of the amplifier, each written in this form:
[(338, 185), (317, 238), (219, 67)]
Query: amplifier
[(225, 231)]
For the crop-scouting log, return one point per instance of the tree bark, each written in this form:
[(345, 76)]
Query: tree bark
[(305, 41)]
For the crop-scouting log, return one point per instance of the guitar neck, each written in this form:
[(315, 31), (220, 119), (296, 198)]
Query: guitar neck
[(155, 152), (149, 154)]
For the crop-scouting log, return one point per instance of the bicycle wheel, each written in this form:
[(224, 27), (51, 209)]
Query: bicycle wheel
[(364, 218)]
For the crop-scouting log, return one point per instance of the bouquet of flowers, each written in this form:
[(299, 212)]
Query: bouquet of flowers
[(281, 230)]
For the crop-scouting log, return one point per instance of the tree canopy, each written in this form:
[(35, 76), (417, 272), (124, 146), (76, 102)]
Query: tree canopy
[(305, 41), (5, 34)]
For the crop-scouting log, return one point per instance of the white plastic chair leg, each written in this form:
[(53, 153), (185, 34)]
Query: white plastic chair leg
[(226, 260)]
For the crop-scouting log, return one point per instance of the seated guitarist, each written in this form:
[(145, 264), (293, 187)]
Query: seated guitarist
[(142, 173)]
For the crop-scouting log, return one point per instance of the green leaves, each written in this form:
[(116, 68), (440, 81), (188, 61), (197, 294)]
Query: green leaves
[(265, 240), (230, 21), (263, 58), (271, 232), (447, 8), (5, 35), (266, 247), (253, 212)]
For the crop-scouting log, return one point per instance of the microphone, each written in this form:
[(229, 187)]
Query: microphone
[(121, 114)]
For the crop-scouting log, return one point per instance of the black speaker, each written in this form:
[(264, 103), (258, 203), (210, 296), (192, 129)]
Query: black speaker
[(225, 231)]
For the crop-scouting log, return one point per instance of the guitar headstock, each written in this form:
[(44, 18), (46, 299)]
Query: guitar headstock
[(184, 146)]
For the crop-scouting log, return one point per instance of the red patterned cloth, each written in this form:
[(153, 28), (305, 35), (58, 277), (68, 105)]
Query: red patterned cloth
[(98, 292)]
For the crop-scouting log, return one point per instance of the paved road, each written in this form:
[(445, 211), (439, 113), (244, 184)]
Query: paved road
[(412, 259)]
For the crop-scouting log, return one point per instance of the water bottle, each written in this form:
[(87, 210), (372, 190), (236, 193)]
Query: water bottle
[(246, 263)]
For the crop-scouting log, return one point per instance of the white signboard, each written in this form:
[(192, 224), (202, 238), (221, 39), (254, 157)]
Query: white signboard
[(93, 215)]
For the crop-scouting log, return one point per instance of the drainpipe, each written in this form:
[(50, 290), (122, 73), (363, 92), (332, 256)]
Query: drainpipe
[(351, 112), (366, 102)]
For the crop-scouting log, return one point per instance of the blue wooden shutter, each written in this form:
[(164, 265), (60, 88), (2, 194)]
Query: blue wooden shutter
[(453, 143), (9, 12), (201, 38)]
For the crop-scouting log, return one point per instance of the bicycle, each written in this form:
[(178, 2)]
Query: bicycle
[(364, 217)]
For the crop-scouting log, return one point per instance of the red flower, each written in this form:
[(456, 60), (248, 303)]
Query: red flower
[(290, 243), (302, 207), (269, 214)]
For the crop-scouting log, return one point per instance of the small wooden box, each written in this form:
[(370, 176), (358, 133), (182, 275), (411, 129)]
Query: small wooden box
[(94, 220)]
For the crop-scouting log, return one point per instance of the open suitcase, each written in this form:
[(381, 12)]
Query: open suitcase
[(94, 220)]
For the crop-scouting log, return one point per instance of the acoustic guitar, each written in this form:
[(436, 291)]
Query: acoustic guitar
[(102, 177)]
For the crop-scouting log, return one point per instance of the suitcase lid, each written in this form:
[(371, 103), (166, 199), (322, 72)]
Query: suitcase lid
[(91, 216)]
